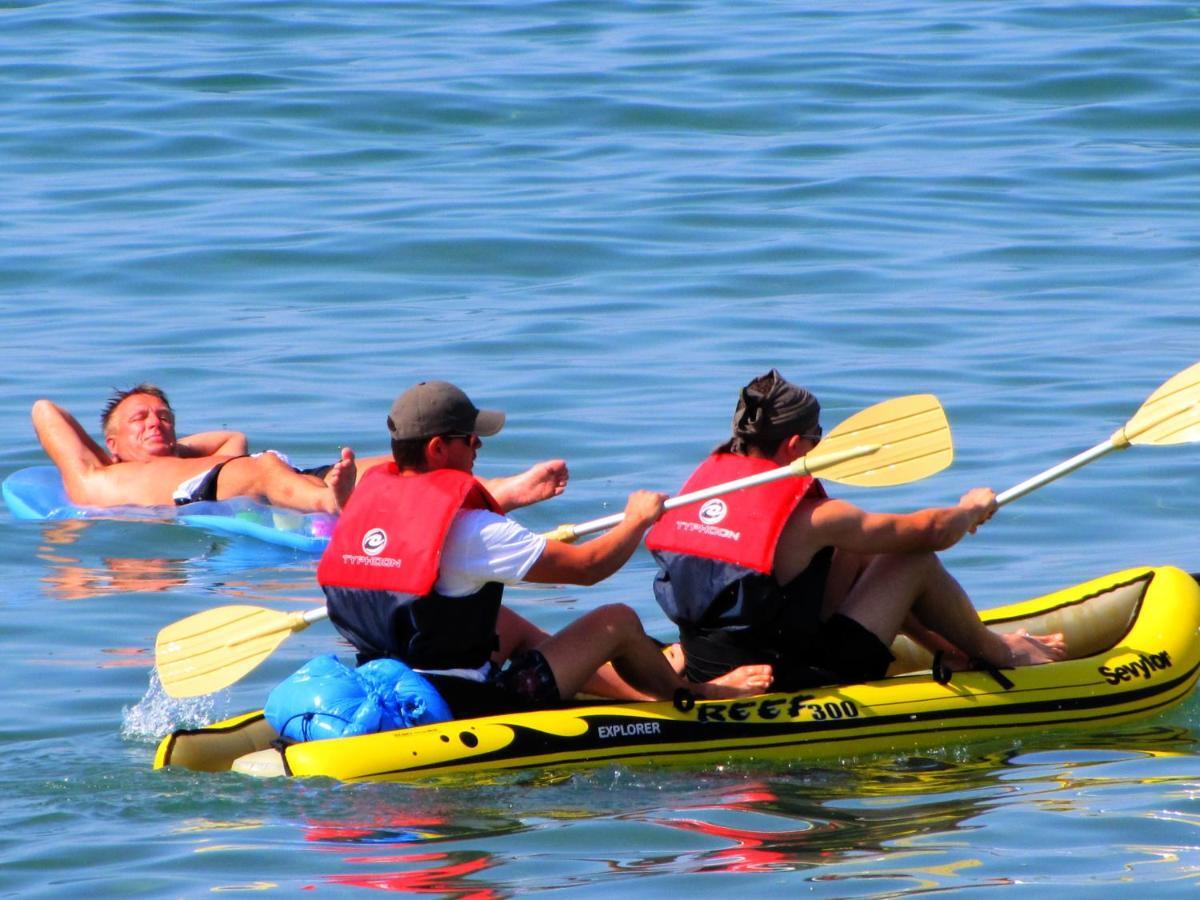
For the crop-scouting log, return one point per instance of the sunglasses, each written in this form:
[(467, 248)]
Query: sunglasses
[(472, 439)]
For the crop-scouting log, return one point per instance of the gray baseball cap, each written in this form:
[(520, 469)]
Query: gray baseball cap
[(438, 407)]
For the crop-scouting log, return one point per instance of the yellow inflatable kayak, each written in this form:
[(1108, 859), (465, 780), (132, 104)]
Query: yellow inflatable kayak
[(1133, 639)]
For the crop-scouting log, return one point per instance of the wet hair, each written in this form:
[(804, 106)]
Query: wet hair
[(119, 397)]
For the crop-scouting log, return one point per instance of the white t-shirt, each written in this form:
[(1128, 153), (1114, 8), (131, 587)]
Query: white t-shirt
[(483, 546)]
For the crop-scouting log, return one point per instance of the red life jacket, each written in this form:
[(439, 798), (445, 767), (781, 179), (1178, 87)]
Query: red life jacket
[(379, 544), (380, 568), (715, 577), (742, 527)]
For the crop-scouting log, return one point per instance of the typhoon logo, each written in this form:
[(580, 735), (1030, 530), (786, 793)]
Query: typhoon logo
[(713, 511), (374, 541)]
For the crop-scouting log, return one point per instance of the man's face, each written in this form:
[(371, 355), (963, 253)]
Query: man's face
[(141, 427), (461, 450)]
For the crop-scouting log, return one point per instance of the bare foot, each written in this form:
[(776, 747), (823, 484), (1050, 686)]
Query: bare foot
[(741, 682), (341, 479), (1034, 649), (674, 655), (540, 481)]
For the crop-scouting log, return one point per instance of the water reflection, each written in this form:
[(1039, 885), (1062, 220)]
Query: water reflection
[(430, 873), (394, 846), (877, 826), (68, 579), (910, 825), (240, 570)]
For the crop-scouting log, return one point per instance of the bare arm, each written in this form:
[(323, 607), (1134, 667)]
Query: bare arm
[(595, 560), (65, 441), (539, 482), (843, 525), (213, 443), (78, 457)]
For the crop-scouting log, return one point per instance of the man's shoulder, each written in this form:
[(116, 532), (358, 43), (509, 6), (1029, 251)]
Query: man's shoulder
[(484, 520)]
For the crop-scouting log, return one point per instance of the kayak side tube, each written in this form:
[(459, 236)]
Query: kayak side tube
[(1133, 637)]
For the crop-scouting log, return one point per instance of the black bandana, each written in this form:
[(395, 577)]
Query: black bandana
[(772, 408)]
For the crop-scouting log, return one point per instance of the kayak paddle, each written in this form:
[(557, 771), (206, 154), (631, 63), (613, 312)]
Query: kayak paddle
[(1171, 415), (894, 442)]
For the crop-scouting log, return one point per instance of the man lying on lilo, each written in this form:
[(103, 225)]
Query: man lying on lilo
[(143, 463)]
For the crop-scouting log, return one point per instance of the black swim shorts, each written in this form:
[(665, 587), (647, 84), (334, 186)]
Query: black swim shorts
[(529, 678), (848, 650), (527, 682)]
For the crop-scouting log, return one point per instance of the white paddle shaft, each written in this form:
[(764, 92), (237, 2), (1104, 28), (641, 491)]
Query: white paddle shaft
[(803, 466), (1120, 439), (314, 615), (1056, 472)]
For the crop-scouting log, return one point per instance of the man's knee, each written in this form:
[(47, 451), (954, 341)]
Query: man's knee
[(269, 471), (619, 618)]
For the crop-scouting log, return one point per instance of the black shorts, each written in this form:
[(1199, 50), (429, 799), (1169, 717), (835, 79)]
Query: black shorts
[(839, 651), (836, 651), (206, 490), (526, 683)]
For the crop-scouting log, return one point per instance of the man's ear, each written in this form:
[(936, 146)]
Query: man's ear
[(111, 444), (435, 451)]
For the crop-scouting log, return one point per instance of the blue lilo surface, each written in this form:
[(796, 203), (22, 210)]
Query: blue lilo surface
[(38, 493)]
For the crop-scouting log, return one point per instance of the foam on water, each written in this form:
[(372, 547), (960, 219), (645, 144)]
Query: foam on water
[(157, 714)]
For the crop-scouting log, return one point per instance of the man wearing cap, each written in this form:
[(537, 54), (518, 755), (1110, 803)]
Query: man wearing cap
[(783, 574), (417, 565)]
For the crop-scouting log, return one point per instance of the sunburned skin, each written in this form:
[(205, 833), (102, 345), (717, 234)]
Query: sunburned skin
[(143, 462)]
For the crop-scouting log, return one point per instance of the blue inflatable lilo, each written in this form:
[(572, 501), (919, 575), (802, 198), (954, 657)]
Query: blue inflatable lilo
[(38, 493)]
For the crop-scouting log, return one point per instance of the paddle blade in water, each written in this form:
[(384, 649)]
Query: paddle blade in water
[(215, 648), (1171, 415), (913, 438)]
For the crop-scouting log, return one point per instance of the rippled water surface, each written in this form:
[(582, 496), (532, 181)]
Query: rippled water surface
[(602, 218)]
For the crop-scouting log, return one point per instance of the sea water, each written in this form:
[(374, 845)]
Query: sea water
[(602, 218)]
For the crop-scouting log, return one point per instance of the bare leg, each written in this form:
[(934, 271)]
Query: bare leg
[(890, 586), (268, 478), (518, 634), (614, 632)]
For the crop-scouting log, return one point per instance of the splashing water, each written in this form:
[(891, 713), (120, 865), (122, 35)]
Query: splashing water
[(158, 713)]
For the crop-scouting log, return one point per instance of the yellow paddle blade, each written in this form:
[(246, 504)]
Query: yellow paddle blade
[(1171, 415), (913, 438), (215, 648)]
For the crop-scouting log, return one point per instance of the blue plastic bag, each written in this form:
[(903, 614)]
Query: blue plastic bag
[(326, 699)]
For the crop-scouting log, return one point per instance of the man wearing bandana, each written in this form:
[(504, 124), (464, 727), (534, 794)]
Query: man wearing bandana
[(784, 574)]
